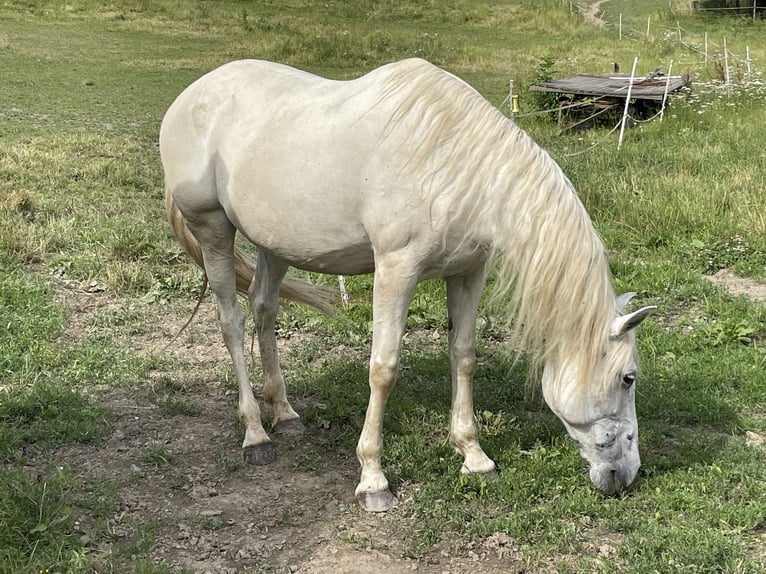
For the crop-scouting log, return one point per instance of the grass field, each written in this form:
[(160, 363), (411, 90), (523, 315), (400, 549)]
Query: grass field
[(100, 464)]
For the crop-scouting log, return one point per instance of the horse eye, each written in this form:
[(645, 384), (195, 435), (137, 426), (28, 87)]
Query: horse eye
[(629, 378)]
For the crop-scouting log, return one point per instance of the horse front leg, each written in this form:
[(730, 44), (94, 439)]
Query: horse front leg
[(263, 295), (392, 291), (463, 295)]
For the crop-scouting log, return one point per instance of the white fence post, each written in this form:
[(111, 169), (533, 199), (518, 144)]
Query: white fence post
[(665, 94), (627, 103)]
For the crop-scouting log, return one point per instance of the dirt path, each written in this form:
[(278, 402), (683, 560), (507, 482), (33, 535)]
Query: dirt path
[(591, 13)]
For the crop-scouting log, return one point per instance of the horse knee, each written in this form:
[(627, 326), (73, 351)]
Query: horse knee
[(463, 356), (383, 373), (466, 366)]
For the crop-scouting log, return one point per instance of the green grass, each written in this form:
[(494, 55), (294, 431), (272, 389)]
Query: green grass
[(38, 517), (85, 85), (157, 455)]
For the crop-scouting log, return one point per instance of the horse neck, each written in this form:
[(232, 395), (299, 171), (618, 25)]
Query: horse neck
[(550, 258)]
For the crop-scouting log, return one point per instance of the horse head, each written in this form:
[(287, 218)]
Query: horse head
[(598, 409)]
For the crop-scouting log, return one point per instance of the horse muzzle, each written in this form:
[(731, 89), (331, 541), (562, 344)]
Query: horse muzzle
[(613, 479)]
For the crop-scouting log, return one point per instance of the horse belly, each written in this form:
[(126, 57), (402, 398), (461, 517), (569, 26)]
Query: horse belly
[(351, 260), (302, 229)]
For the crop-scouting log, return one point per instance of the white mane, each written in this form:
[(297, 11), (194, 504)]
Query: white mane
[(549, 257)]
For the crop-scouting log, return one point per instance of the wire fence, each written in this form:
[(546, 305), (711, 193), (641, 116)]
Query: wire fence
[(727, 65), (755, 8)]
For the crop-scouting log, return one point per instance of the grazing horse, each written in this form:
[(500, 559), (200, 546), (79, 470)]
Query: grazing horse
[(407, 173)]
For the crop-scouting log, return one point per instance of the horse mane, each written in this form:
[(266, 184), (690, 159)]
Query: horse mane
[(552, 273)]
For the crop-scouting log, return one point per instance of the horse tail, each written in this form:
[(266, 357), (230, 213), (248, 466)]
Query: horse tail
[(297, 290)]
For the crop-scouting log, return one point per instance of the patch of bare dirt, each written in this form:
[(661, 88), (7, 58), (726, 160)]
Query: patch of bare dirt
[(737, 286), (590, 13), (754, 439), (209, 512)]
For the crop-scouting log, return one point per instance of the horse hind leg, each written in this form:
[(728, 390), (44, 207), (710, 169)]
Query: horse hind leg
[(215, 234), (263, 295)]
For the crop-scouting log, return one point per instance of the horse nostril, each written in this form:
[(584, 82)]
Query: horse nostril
[(629, 437)]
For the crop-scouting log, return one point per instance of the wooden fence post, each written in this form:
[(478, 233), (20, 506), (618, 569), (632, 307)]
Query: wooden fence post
[(510, 98)]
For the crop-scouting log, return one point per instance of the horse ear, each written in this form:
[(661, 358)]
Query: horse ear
[(623, 300), (625, 323)]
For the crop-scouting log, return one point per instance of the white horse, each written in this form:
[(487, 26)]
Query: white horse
[(408, 173)]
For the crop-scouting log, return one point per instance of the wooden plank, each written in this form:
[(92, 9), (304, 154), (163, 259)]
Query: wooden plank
[(612, 85)]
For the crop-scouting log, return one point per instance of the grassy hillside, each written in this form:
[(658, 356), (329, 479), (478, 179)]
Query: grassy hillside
[(93, 287)]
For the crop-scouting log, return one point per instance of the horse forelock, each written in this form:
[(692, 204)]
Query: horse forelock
[(552, 273)]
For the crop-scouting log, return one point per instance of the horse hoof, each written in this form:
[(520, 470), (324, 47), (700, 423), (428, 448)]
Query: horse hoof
[(382, 501), (492, 474), (289, 427), (260, 454), (485, 474)]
